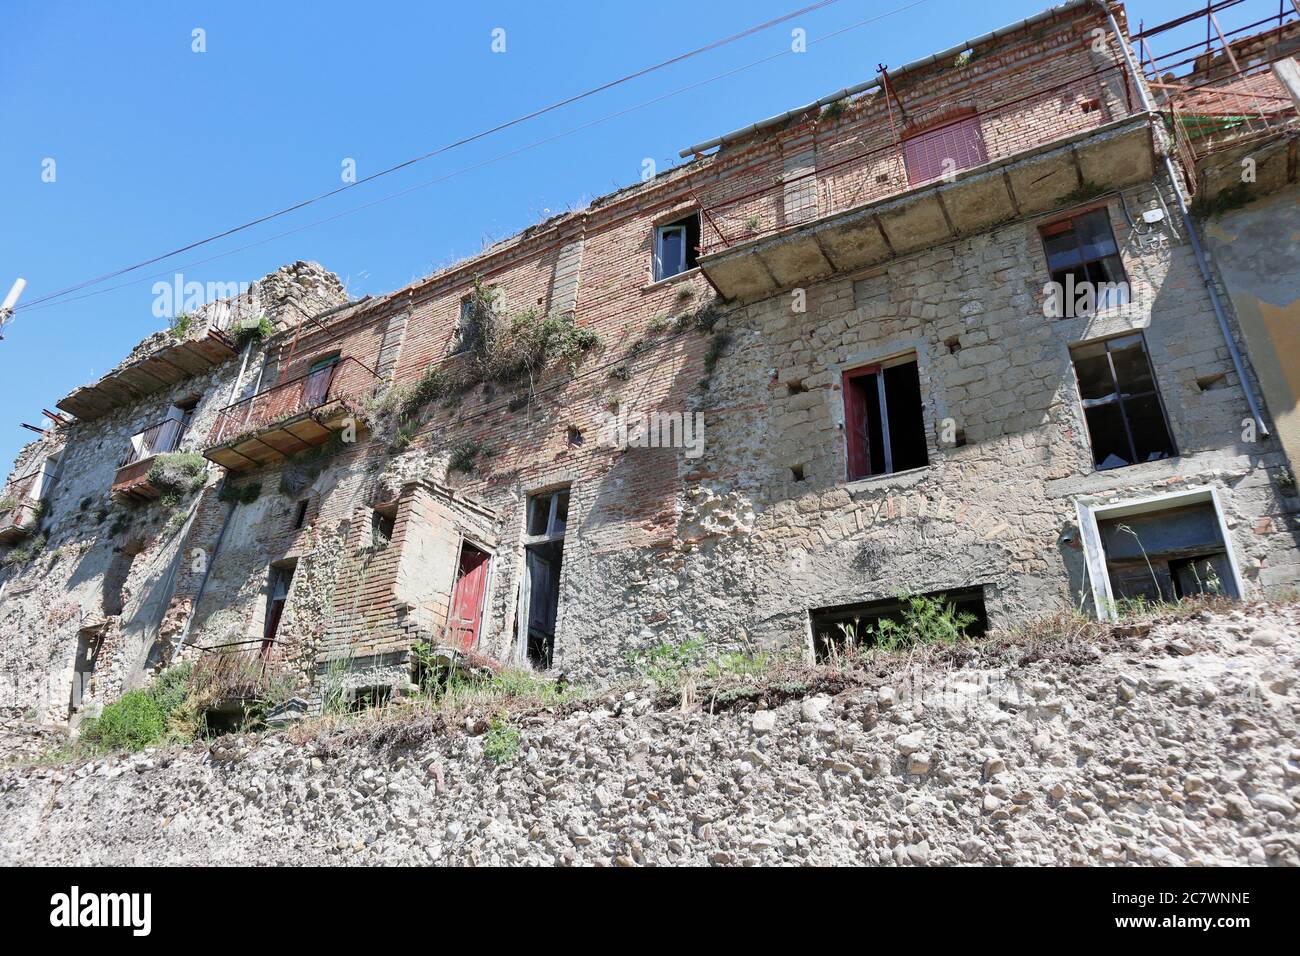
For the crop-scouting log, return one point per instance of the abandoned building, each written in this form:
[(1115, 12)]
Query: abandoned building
[(1006, 324)]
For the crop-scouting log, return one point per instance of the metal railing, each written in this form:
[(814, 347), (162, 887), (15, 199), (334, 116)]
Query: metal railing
[(1008, 126), (1221, 91), (157, 439), (345, 380)]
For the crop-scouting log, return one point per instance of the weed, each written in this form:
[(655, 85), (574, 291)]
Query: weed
[(465, 455), (182, 324), (924, 620), (258, 330), (667, 665), (1233, 197), (240, 494), (1083, 192), (501, 742), (835, 109), (178, 473)]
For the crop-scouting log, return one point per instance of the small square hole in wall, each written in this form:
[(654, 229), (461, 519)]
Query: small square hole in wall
[(1090, 105), (797, 473), (1207, 382), (575, 437), (794, 388), (952, 344), (959, 438)]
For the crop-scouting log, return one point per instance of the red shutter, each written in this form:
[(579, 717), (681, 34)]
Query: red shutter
[(959, 141), (857, 430)]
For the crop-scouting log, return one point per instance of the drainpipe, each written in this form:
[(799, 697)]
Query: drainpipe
[(1201, 263), (203, 583)]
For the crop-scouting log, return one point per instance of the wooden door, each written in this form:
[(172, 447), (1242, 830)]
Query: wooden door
[(467, 597), (318, 381)]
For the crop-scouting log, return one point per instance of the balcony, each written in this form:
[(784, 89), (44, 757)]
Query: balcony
[(1222, 98), (1012, 158), (159, 362), (281, 421), (132, 478), (18, 520)]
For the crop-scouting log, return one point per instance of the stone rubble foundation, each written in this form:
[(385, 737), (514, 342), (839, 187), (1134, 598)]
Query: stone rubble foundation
[(1178, 746)]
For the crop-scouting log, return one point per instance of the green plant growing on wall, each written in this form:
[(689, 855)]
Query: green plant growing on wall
[(1083, 192), (240, 494), (835, 109), (667, 665), (431, 386), (182, 325), (465, 455), (1233, 197), (7, 504), (258, 330), (178, 473), (23, 554)]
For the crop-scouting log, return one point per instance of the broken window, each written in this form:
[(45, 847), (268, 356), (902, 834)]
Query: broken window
[(675, 246), (943, 150), (382, 522), (277, 596), (547, 517), (1082, 254), (1126, 419), (466, 326), (834, 627), (883, 421), (1167, 554)]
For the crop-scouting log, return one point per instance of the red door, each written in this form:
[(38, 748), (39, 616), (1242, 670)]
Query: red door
[(467, 597)]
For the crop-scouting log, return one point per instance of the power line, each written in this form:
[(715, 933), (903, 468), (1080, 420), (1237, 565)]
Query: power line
[(38, 304), (441, 149)]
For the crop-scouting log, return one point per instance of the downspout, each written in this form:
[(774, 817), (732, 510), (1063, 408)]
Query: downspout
[(221, 534), (203, 582), (1193, 237)]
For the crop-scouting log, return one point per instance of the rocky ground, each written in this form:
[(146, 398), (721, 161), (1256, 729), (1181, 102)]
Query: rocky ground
[(1173, 746)]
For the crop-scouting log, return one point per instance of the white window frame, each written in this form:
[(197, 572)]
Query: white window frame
[(660, 232), (1103, 598), (549, 534)]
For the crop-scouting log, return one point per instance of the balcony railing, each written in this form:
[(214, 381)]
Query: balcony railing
[(345, 381), (896, 160), (157, 439), (1221, 91)]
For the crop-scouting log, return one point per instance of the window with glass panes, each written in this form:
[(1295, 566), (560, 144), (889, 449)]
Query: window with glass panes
[(1126, 419), (1082, 249)]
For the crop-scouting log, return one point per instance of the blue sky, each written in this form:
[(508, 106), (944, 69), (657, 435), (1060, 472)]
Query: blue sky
[(156, 145)]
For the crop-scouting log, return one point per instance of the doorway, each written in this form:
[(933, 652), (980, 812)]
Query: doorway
[(545, 523), (466, 617)]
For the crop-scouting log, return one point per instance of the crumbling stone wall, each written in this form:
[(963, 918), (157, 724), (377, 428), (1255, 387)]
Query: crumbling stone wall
[(1176, 748)]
